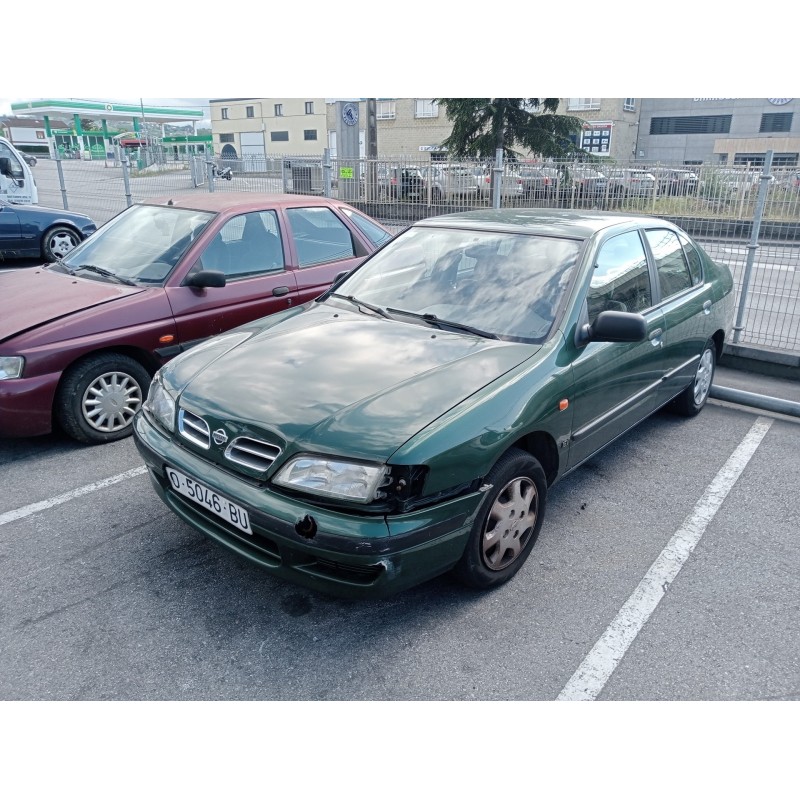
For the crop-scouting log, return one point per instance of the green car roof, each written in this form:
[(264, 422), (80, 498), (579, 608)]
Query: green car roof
[(546, 222)]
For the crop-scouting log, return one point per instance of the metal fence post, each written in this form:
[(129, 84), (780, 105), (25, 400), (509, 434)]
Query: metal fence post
[(126, 178), (753, 244), (497, 183), (326, 173), (61, 177), (210, 173)]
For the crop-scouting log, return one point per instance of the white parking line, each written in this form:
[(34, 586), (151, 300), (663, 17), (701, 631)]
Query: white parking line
[(26, 511), (598, 666)]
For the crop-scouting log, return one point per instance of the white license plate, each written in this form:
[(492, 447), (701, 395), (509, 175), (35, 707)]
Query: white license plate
[(209, 499)]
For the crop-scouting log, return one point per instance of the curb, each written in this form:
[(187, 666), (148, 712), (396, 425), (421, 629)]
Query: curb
[(763, 360)]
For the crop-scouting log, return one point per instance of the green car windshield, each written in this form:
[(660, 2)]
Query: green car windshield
[(141, 245), (508, 285)]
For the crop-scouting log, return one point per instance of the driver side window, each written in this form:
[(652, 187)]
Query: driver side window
[(247, 245), (620, 281)]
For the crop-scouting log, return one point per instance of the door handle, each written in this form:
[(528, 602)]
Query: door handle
[(707, 307), (280, 291), (655, 336)]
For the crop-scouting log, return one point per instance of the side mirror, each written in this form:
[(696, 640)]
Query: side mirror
[(206, 279), (616, 326)]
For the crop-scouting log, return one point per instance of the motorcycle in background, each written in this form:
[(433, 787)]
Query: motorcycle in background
[(216, 172)]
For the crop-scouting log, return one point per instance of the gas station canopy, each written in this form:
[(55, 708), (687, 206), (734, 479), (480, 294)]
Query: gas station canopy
[(103, 110)]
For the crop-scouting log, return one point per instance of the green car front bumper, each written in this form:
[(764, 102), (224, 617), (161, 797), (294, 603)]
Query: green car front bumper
[(350, 555)]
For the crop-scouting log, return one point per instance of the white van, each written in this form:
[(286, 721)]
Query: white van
[(16, 179)]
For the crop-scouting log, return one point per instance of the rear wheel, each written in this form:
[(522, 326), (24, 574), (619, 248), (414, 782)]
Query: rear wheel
[(507, 523), (58, 241), (692, 399), (99, 396)]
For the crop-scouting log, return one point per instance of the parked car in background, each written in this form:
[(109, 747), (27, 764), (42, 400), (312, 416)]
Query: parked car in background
[(737, 182), (540, 182), (631, 183), (449, 182), (588, 183), (512, 187), (675, 182), (30, 159), (412, 419), (81, 338), (28, 231)]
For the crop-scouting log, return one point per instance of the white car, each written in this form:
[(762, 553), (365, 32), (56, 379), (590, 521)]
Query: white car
[(631, 183)]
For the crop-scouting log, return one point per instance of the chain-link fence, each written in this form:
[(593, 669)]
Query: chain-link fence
[(719, 205)]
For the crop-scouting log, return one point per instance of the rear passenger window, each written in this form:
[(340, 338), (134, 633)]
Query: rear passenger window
[(319, 236), (693, 257), (673, 271)]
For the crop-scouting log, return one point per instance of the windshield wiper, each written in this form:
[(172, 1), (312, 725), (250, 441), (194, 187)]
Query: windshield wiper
[(432, 319), (105, 273), (360, 304)]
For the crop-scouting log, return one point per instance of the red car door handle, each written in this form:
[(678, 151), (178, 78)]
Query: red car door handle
[(280, 291)]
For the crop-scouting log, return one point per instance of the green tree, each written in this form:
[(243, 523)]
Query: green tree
[(483, 125)]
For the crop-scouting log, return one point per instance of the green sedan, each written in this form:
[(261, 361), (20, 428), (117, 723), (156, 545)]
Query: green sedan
[(411, 420)]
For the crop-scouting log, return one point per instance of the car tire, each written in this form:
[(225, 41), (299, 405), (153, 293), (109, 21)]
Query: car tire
[(507, 523), (98, 397), (691, 400), (58, 241)]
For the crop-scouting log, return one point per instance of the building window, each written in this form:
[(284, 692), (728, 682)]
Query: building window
[(775, 123), (713, 123), (224, 113), (249, 112), (310, 108), (385, 109), (425, 109), (226, 137), (278, 109), (279, 136), (629, 104), (758, 159), (310, 136), (583, 104)]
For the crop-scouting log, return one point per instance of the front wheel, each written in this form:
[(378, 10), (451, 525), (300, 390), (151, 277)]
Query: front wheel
[(99, 396), (691, 400), (58, 241), (507, 524)]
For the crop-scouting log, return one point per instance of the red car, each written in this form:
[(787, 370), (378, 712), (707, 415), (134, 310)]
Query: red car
[(81, 338)]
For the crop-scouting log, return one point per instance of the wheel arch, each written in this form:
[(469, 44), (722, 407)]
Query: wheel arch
[(719, 343), (542, 446)]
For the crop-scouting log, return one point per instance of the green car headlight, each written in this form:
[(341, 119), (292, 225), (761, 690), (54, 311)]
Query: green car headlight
[(329, 477), (11, 366), (160, 404)]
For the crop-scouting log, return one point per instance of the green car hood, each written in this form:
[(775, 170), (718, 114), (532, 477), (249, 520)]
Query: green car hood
[(337, 381)]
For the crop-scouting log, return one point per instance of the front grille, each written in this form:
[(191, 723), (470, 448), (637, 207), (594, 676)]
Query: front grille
[(194, 428), (252, 453)]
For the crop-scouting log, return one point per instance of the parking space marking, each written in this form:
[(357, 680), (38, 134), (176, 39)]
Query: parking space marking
[(598, 666), (26, 511)]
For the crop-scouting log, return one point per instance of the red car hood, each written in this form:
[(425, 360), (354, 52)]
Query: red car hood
[(34, 296)]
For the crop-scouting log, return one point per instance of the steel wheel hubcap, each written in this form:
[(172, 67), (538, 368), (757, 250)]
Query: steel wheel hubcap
[(510, 523), (702, 379), (110, 401)]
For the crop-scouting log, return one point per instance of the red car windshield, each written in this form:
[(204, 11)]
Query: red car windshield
[(142, 244)]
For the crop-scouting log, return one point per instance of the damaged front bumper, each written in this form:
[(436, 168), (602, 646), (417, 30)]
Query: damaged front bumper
[(349, 555)]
